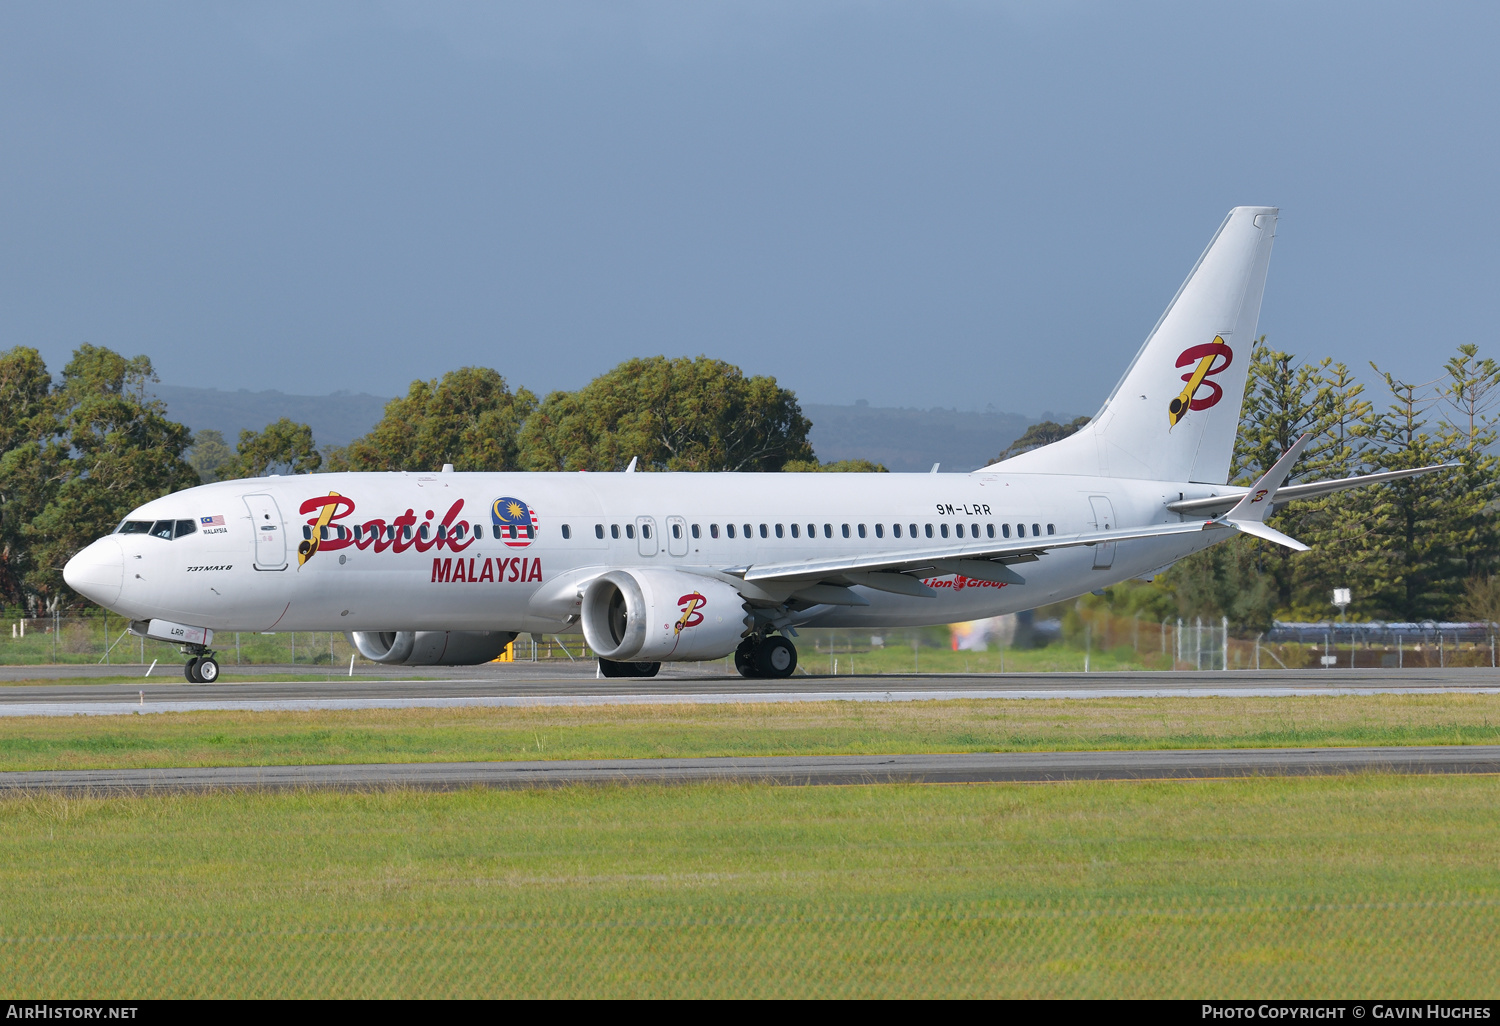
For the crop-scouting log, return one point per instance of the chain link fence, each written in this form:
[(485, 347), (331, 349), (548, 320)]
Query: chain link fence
[(1437, 946)]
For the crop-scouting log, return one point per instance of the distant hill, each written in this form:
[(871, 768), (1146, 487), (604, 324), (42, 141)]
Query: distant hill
[(902, 439), (335, 419), (913, 440)]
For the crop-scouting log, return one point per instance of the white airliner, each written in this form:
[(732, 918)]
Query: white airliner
[(424, 568)]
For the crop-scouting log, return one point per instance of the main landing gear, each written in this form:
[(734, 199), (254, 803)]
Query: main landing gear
[(202, 669), (770, 657)]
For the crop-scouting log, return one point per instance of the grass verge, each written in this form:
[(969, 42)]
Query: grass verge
[(1271, 888), (235, 738)]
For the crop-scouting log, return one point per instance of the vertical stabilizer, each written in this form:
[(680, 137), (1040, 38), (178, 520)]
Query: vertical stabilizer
[(1174, 415)]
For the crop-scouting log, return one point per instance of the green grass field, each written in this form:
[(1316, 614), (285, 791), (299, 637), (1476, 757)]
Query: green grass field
[(234, 738), (1362, 885)]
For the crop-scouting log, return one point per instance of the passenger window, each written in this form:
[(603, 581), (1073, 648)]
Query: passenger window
[(306, 533), (896, 530), (1005, 530), (846, 530), (1036, 530), (442, 531), (729, 529), (748, 532), (567, 532), (630, 530), (880, 530), (696, 532), (614, 531), (1051, 528), (390, 533), (479, 531), (1020, 530), (974, 530), (779, 532), (944, 529), (423, 532), (494, 530), (599, 531), (827, 530), (676, 530), (406, 531), (812, 530), (929, 530), (763, 532), (861, 530), (713, 530), (960, 529), (357, 536), (796, 531), (989, 530), (645, 530)]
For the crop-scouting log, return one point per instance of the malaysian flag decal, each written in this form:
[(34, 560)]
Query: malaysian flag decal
[(211, 521), (514, 521)]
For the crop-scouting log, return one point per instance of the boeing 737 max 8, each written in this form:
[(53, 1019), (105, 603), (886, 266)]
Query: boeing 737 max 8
[(447, 568)]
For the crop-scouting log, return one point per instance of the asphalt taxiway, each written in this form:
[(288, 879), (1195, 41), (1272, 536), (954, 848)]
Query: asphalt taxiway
[(536, 684)]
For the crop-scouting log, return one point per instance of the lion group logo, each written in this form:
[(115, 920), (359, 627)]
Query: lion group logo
[(514, 521), (1204, 361)]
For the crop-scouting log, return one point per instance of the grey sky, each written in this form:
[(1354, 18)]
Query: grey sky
[(934, 203)]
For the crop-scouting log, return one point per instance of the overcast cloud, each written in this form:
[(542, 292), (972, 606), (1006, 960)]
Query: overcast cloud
[(959, 204)]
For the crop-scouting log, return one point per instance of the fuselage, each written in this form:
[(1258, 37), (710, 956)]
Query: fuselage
[(505, 552)]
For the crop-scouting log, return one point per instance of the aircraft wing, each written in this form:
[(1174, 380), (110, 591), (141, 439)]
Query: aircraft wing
[(1291, 493), (899, 572)]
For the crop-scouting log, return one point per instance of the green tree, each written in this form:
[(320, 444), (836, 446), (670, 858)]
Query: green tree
[(120, 451), (31, 461), (210, 455), (836, 467), (469, 418), (1224, 580), (677, 414), (282, 447), (1039, 434)]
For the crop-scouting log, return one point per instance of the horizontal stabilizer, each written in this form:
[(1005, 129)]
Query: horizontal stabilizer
[(1296, 492), (1270, 534)]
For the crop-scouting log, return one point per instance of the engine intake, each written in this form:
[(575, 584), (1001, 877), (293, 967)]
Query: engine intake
[(662, 615), (430, 648)]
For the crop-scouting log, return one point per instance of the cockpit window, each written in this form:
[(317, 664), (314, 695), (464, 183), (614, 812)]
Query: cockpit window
[(135, 527), (163, 529), (185, 527)]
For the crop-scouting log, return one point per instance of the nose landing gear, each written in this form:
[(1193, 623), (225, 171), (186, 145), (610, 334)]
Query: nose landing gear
[(202, 669), (772, 657)]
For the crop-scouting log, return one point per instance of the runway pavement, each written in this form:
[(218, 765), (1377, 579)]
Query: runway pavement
[(544, 685), (805, 770)]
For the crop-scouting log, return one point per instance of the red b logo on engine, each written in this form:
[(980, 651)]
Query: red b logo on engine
[(690, 604)]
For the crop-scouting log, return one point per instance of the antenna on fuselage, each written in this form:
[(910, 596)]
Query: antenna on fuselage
[(631, 469)]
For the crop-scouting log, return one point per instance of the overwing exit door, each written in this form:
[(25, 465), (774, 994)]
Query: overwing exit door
[(677, 536), (1104, 520), (270, 532)]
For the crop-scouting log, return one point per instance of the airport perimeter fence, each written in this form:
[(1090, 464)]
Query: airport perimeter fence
[(1437, 946)]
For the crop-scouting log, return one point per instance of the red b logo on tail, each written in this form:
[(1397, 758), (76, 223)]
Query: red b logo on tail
[(1199, 376)]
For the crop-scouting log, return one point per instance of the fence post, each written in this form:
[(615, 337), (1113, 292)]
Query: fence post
[(1226, 644)]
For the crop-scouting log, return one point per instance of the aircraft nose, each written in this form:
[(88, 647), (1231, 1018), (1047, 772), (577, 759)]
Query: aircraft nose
[(97, 572)]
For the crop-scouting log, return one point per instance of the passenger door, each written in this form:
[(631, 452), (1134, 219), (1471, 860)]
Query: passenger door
[(645, 533), (677, 536), (1104, 519), (270, 532)]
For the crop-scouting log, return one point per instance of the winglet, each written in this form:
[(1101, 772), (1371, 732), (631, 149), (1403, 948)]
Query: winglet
[(1249, 514)]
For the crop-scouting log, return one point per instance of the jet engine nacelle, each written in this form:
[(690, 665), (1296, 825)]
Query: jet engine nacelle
[(430, 648), (662, 615)]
